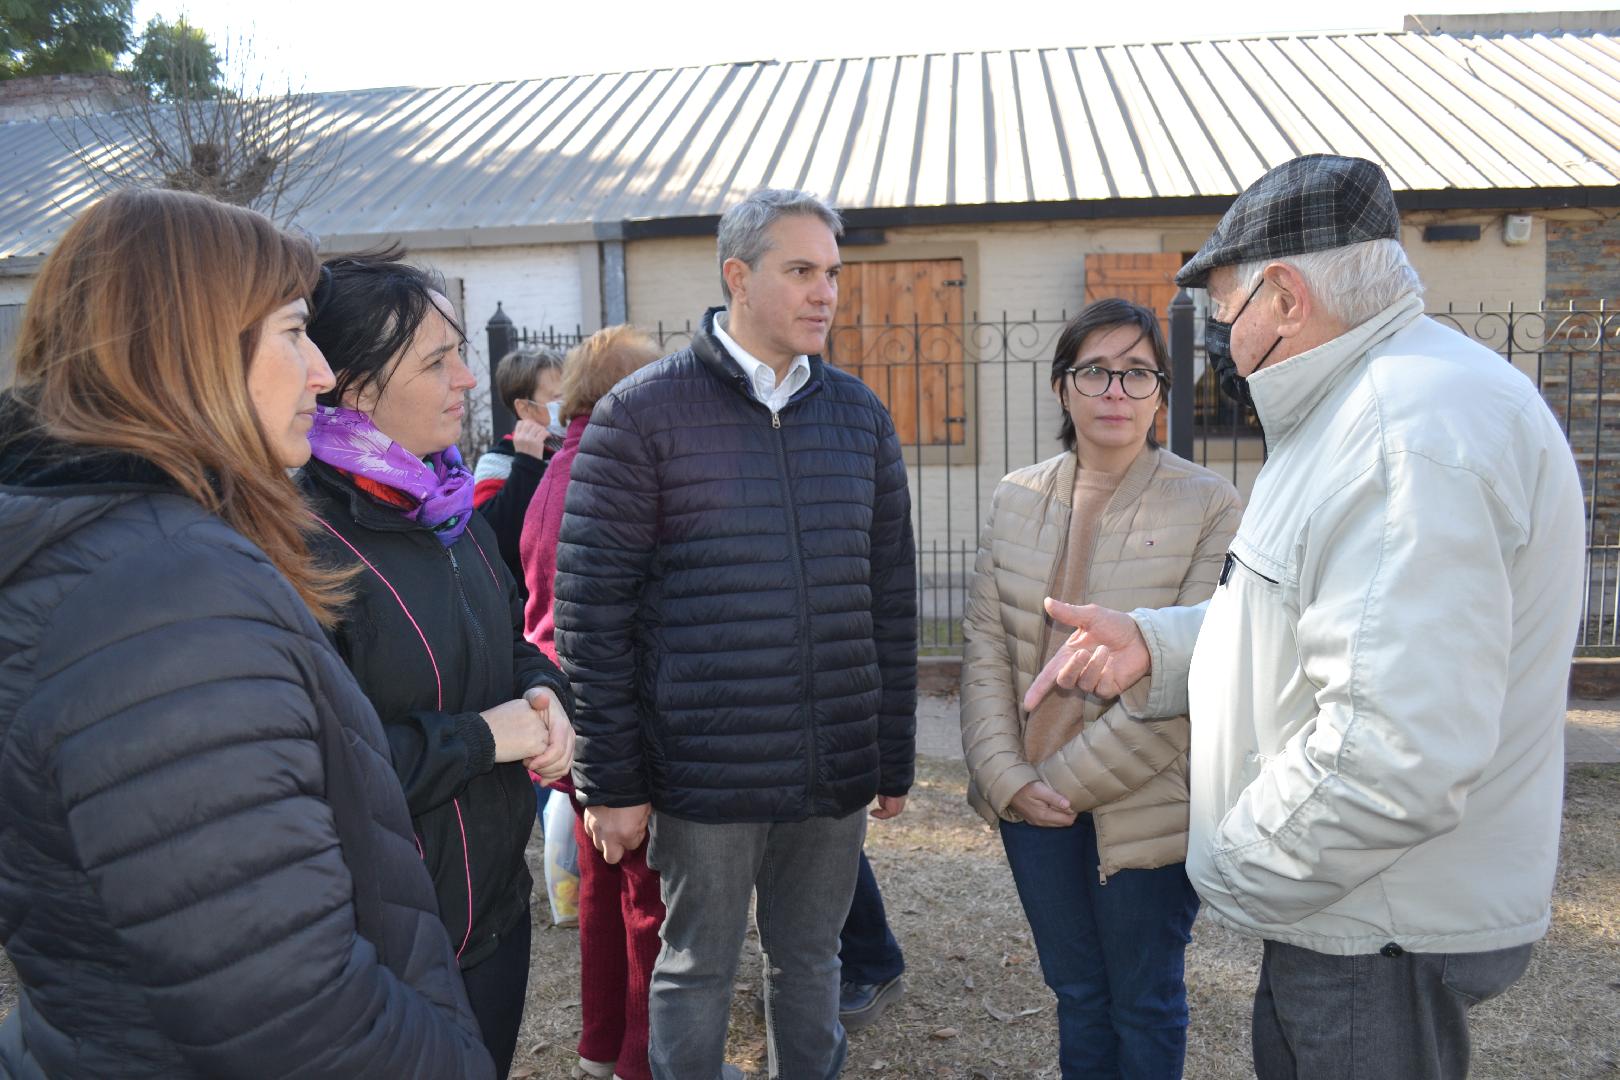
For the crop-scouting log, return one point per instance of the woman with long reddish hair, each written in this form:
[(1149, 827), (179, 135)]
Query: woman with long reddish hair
[(206, 866)]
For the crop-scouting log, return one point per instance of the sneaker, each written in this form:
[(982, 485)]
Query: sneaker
[(586, 1069), (861, 1004)]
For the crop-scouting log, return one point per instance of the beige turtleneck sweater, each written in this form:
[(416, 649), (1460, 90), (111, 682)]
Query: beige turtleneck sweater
[(1056, 719)]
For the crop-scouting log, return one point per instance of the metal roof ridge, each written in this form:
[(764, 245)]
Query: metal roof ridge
[(1278, 35)]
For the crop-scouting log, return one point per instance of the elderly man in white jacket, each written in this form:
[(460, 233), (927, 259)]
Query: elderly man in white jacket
[(1377, 688)]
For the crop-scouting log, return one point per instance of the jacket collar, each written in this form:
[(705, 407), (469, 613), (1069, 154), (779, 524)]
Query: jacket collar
[(365, 510), (1284, 395), (32, 458), (713, 355)]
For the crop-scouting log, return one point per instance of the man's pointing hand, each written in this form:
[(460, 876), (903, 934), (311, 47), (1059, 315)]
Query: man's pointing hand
[(1104, 655)]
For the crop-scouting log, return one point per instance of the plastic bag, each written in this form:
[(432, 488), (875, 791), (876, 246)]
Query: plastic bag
[(562, 860)]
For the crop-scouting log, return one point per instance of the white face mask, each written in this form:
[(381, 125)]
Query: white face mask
[(556, 425)]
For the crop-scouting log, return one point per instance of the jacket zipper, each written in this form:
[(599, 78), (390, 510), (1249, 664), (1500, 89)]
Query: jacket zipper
[(482, 651), (466, 605), (804, 600), (1226, 569), (798, 574)]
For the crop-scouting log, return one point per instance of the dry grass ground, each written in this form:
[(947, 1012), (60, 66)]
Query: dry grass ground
[(976, 1006)]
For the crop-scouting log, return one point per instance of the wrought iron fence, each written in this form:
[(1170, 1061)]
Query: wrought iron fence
[(973, 401)]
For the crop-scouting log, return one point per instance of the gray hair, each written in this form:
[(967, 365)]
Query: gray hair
[(744, 228), (1352, 283)]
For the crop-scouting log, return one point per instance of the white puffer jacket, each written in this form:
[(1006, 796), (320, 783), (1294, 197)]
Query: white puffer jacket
[(1379, 683)]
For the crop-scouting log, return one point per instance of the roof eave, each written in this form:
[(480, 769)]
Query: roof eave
[(897, 217), (1180, 206), (579, 232)]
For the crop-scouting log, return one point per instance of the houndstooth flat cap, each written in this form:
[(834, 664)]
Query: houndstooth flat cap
[(1311, 203)]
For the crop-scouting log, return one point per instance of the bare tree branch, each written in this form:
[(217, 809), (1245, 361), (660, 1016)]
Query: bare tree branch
[(242, 143)]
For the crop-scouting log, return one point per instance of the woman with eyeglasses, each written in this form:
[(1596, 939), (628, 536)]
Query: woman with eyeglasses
[(1092, 804)]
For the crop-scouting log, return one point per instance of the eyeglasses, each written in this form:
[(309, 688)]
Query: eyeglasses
[(1094, 380)]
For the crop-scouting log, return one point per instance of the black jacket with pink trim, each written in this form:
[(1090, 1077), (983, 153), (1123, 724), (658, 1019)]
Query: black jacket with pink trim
[(434, 636)]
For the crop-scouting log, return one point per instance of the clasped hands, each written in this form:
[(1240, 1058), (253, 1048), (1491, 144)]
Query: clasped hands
[(535, 730), (1105, 655)]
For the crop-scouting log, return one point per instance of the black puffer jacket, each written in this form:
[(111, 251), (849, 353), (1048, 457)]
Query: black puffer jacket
[(736, 597), (174, 887), (430, 670)]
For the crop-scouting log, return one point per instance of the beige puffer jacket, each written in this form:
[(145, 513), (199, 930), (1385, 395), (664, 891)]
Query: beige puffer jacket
[(1161, 541)]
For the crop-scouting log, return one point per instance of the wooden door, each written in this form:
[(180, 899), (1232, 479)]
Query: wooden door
[(899, 330), (1146, 278)]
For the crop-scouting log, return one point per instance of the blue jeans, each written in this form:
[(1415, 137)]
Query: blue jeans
[(866, 947), (1112, 953), (804, 875), (497, 987)]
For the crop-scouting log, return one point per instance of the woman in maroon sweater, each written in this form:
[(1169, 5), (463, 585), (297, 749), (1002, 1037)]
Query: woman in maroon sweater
[(620, 910)]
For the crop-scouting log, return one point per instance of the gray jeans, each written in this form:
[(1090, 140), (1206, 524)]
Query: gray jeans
[(1393, 1015), (804, 874)]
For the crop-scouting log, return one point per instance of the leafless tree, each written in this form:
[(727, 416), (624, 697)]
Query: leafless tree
[(239, 139)]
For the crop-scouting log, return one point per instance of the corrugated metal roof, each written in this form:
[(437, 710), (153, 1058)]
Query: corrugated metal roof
[(560, 158)]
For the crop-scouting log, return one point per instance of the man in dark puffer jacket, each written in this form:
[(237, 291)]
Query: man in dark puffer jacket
[(736, 609)]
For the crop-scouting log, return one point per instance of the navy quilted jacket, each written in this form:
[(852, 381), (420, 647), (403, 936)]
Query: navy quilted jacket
[(175, 887), (736, 596)]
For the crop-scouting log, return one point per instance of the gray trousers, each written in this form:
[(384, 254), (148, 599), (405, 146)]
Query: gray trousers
[(804, 875), (1393, 1015)]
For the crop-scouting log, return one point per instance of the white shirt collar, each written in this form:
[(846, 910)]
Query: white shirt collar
[(761, 376)]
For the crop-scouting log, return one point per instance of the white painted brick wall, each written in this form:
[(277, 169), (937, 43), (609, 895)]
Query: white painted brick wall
[(672, 280), (537, 285), (1485, 270)]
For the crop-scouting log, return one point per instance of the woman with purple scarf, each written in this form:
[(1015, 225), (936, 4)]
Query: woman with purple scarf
[(434, 633)]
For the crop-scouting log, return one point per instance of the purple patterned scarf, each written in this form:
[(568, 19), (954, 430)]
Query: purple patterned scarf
[(441, 489)]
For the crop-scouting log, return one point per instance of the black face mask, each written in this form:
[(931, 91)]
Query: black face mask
[(1218, 346)]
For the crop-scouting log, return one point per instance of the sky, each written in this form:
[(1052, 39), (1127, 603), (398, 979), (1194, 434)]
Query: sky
[(319, 45)]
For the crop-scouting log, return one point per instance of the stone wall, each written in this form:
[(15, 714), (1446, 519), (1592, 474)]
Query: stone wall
[(1583, 261), (1580, 364)]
